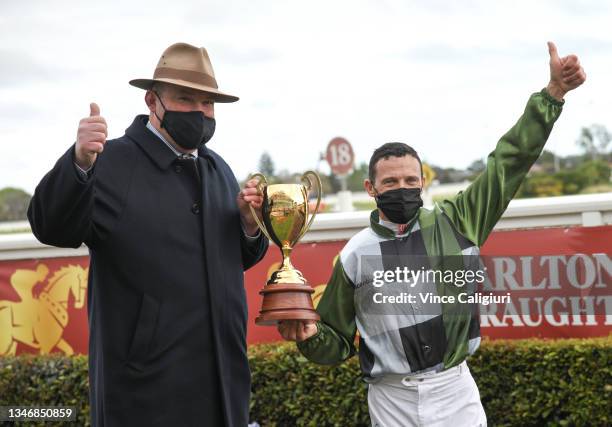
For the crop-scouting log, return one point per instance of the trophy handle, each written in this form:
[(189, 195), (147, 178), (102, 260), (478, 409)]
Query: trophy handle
[(308, 182), (260, 188)]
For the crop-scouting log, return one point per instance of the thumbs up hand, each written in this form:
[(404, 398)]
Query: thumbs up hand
[(566, 73), (91, 137)]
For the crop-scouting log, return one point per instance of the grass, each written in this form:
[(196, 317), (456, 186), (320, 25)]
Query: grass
[(15, 230), (359, 206), (365, 206), (593, 189)]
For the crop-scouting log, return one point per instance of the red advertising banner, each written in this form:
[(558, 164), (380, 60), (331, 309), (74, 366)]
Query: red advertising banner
[(43, 306), (558, 278)]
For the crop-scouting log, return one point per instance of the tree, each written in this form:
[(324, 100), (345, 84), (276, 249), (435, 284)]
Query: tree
[(594, 172), (13, 204), (572, 180), (548, 162), (354, 182), (448, 175), (326, 184), (334, 183), (475, 168), (585, 177), (266, 165), (594, 140), (541, 185)]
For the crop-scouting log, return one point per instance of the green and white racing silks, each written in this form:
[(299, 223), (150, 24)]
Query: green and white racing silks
[(410, 338)]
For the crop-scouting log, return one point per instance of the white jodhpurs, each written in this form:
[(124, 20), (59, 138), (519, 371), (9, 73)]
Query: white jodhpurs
[(449, 398)]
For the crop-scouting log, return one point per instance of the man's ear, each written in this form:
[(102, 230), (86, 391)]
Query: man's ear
[(367, 184), (150, 99)]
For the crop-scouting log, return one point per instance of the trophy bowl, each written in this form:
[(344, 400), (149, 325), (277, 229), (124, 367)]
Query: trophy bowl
[(286, 217)]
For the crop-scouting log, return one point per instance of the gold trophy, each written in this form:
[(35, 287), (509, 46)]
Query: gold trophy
[(285, 212)]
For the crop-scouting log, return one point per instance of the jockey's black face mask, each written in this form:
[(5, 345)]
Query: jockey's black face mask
[(400, 205)]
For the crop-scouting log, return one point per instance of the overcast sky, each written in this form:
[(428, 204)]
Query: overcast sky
[(447, 77)]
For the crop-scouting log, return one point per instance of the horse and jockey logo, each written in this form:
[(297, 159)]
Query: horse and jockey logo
[(38, 321)]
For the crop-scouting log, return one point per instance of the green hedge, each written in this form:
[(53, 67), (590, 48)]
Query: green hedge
[(522, 383), (46, 381)]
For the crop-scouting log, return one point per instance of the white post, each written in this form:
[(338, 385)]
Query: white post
[(345, 201)]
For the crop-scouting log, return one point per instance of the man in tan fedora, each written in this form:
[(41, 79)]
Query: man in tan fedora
[(169, 233)]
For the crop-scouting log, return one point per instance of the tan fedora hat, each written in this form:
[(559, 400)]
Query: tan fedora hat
[(185, 65)]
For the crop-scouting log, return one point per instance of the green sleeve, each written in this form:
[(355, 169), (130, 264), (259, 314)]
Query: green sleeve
[(334, 339), (476, 210)]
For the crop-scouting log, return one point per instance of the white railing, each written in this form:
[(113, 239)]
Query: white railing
[(565, 211)]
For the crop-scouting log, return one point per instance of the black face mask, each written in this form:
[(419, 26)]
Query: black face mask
[(400, 205), (190, 129)]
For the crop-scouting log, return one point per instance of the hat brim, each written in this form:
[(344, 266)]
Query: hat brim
[(218, 96)]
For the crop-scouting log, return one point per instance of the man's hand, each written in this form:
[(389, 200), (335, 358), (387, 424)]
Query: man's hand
[(565, 73), (297, 330), (250, 195), (91, 137)]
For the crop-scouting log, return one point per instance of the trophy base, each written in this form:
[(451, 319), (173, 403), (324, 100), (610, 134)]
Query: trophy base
[(287, 301)]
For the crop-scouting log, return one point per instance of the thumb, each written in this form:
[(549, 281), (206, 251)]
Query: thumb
[(94, 110), (552, 51)]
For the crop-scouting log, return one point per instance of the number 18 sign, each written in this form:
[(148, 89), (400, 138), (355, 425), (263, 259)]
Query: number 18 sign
[(340, 156)]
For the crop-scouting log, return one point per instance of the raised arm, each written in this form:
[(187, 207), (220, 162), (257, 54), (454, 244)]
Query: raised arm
[(476, 210), (61, 208)]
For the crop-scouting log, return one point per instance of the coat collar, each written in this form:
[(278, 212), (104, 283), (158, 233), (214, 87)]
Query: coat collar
[(155, 148)]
